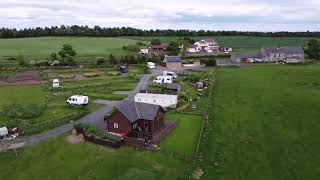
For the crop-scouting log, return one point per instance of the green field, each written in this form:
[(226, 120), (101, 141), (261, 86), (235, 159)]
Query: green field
[(57, 159), (243, 43), (88, 48), (185, 137), (264, 124)]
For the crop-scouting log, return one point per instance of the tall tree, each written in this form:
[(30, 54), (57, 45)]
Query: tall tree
[(66, 51), (173, 48), (313, 49)]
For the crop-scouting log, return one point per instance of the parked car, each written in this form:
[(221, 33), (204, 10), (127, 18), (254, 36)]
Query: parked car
[(78, 100), (123, 69), (170, 73), (163, 80)]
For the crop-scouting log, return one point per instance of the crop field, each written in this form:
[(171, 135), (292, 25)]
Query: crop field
[(88, 48), (264, 124), (57, 159), (243, 43)]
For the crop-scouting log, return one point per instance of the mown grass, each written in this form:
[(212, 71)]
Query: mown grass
[(243, 43), (185, 137), (264, 124), (57, 159)]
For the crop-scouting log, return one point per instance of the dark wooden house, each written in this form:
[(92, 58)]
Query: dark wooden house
[(135, 119)]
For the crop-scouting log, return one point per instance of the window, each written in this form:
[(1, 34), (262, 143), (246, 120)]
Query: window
[(135, 125), (154, 100), (115, 125), (139, 99)]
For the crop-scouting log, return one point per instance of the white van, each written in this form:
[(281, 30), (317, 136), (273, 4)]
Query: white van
[(163, 80), (55, 83), (151, 65), (78, 100), (170, 73)]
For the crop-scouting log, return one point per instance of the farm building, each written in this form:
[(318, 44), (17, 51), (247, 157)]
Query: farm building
[(158, 49), (163, 100), (131, 117), (173, 62), (282, 54)]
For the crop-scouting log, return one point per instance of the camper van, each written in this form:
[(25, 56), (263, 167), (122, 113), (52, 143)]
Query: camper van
[(163, 80), (78, 100), (151, 65), (170, 73), (55, 83)]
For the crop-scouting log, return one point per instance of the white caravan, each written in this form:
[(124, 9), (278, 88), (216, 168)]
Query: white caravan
[(78, 100), (55, 83), (163, 80), (170, 73), (163, 100), (151, 65)]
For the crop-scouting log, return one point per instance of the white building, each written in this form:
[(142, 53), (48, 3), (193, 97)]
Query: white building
[(3, 131), (164, 100), (207, 45)]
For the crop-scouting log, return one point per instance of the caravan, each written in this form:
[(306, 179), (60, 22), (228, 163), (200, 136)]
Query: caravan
[(163, 80), (151, 65), (78, 100)]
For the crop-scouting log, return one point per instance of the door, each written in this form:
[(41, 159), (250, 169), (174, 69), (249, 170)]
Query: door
[(146, 127)]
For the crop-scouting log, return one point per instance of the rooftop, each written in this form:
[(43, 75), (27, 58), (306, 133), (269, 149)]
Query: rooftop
[(134, 111), (172, 59)]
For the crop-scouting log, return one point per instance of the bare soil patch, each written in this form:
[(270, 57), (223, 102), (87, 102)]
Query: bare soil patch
[(75, 139), (27, 77)]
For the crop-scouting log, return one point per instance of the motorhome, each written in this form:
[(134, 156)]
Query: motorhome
[(170, 73), (78, 100), (163, 80)]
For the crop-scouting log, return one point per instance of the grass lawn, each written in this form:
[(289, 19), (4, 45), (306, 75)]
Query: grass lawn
[(185, 137), (243, 43), (57, 159), (264, 124)]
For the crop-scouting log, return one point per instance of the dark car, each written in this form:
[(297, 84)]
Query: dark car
[(123, 69)]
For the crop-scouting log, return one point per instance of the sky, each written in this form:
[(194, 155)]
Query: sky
[(240, 15)]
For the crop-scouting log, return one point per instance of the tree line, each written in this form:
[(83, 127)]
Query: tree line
[(98, 31)]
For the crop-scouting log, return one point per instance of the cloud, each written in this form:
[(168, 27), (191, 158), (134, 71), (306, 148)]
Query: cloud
[(162, 14)]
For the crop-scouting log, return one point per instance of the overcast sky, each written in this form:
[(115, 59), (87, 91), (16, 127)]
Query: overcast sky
[(241, 15)]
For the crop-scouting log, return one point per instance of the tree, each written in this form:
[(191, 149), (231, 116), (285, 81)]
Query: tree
[(313, 49), (53, 56), (100, 61), (67, 50), (113, 60), (20, 60), (173, 48), (155, 42)]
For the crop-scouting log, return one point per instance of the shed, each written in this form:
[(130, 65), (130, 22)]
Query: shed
[(173, 88), (3, 131), (173, 62)]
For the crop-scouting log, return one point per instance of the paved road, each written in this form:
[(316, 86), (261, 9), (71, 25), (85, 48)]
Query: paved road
[(95, 118)]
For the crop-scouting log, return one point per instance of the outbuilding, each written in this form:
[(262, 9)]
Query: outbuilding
[(56, 83), (163, 100), (173, 62)]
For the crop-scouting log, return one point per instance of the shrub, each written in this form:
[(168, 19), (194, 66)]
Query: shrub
[(22, 110), (113, 73), (97, 132)]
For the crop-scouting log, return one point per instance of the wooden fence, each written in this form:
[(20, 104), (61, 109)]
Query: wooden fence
[(159, 135)]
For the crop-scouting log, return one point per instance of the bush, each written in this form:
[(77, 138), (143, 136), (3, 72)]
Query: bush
[(113, 73), (22, 110), (97, 132)]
